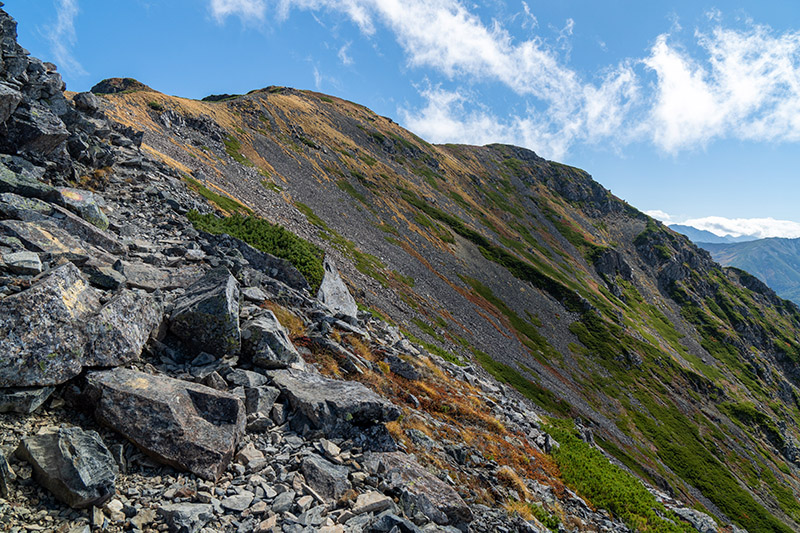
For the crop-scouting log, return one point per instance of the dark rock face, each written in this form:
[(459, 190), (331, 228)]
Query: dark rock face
[(328, 479), (267, 343), (71, 463), (119, 85), (333, 407), (334, 293), (186, 517), (7, 476), (84, 204), (190, 426), (207, 315)]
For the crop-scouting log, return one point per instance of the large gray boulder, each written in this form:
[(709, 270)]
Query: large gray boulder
[(186, 517), (71, 463), (335, 408), (35, 128), (119, 330), (84, 204), (46, 238), (186, 425), (334, 293), (24, 184), (49, 332), (266, 342), (419, 490), (41, 336), (206, 316), (9, 100), (327, 479)]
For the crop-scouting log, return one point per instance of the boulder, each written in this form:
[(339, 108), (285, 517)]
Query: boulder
[(46, 238), (24, 184), (189, 426), (9, 100), (420, 490), (34, 128), (84, 204), (260, 399), (120, 329), (245, 378), (334, 293), (336, 408), (86, 230), (23, 263), (22, 208), (266, 342), (86, 101), (186, 517), (71, 463), (206, 316), (327, 479), (50, 331), (41, 336), (25, 400), (150, 278)]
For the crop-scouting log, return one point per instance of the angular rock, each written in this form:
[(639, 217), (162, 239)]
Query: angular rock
[(84, 204), (284, 501), (422, 490), (45, 238), (9, 100), (238, 502), (23, 263), (86, 230), (7, 476), (118, 332), (254, 294), (189, 426), (34, 128), (26, 209), (86, 101), (186, 517), (390, 523), (71, 463), (24, 185), (150, 278), (23, 401), (245, 378), (334, 407), (702, 522), (267, 343), (326, 478), (102, 275), (206, 316), (260, 399), (372, 502), (41, 337), (334, 293)]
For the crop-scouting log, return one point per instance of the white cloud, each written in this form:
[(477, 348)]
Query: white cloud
[(660, 215), (735, 83), (344, 57), (62, 37), (736, 227), (246, 10)]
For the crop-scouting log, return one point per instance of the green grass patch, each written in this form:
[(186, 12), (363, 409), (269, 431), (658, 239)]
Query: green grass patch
[(233, 148), (269, 238), (223, 202), (347, 187), (271, 185)]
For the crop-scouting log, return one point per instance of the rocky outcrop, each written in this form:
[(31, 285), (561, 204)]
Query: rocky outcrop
[(334, 293), (73, 464), (267, 344), (192, 427)]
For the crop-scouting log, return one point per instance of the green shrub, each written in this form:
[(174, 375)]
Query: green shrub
[(270, 238), (223, 202), (155, 106)]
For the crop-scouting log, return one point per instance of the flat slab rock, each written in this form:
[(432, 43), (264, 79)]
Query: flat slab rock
[(424, 491), (189, 426), (49, 332), (73, 464), (24, 400), (332, 406)]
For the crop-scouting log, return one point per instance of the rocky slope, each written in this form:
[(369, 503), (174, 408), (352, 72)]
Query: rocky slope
[(525, 352), (774, 261)]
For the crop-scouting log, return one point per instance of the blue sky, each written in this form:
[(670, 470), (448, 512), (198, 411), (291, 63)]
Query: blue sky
[(689, 110)]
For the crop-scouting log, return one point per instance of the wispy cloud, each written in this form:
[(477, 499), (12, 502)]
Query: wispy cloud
[(660, 215), (246, 10), (62, 37), (344, 57), (739, 83), (736, 227)]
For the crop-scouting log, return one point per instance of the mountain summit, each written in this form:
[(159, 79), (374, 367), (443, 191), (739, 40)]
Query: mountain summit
[(527, 352)]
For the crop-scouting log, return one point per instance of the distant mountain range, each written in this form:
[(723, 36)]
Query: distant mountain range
[(699, 235), (775, 261)]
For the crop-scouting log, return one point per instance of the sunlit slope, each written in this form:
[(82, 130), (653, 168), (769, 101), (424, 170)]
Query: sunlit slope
[(684, 372)]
